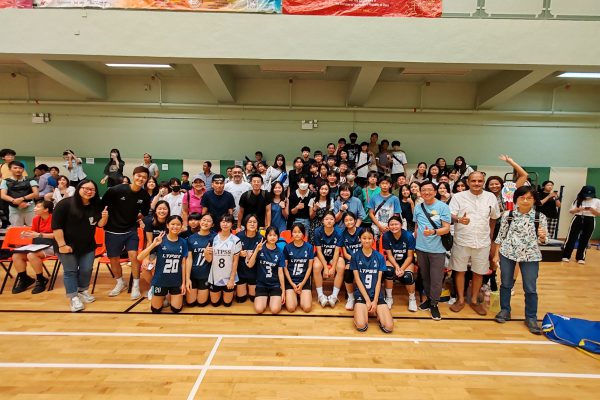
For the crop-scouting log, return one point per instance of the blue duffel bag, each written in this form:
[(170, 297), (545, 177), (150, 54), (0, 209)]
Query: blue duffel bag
[(579, 333)]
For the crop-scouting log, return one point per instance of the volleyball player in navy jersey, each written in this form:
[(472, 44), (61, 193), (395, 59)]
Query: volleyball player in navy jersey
[(368, 267), (350, 244), (200, 254), (399, 247), (299, 257), (250, 237), (328, 262), (269, 263), (171, 256)]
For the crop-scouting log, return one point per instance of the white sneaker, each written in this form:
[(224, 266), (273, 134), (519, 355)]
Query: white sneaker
[(350, 303), (86, 297), (565, 260), (512, 291), (119, 287), (135, 293), (323, 300), (166, 303), (332, 301), (581, 262), (451, 301), (76, 304), (412, 304), (389, 301), (150, 292)]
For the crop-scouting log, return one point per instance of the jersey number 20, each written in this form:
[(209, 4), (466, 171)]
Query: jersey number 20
[(171, 266)]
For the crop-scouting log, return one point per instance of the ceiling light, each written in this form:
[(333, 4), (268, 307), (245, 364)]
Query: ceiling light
[(152, 66), (306, 69), (588, 75), (433, 71)]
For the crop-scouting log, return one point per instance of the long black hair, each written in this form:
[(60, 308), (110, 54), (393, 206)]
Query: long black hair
[(155, 220), (94, 201), (277, 157), (463, 167)]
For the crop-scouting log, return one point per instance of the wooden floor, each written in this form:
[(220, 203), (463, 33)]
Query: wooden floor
[(117, 349)]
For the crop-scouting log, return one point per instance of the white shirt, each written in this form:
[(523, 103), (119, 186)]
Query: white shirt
[(363, 169), (57, 196), (479, 209), (175, 202), (398, 166), (76, 172), (592, 203), (236, 190), (222, 263)]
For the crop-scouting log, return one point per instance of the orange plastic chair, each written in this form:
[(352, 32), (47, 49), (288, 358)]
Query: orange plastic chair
[(12, 239), (287, 236)]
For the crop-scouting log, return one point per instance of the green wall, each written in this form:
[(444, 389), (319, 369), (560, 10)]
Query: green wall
[(593, 178)]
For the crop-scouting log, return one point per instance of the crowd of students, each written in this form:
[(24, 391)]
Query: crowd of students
[(352, 214)]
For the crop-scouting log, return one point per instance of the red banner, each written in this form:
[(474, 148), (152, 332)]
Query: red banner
[(16, 3), (365, 8)]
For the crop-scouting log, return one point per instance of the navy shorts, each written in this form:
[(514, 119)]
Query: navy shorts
[(361, 300), (307, 286), (164, 290), (199, 284), (219, 289), (246, 281), (117, 242), (267, 292)]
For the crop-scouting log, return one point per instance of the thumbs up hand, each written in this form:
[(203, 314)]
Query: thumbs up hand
[(105, 212), (208, 249), (464, 219)]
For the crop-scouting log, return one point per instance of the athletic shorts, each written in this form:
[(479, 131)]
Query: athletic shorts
[(199, 284), (307, 286), (246, 281), (117, 242), (218, 289), (267, 292), (460, 255), (164, 290), (361, 300)]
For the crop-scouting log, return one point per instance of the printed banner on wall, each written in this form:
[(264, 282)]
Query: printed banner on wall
[(365, 8), (258, 6), (16, 3)]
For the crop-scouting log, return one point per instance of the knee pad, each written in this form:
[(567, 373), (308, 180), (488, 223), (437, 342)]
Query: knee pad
[(191, 304), (228, 304), (156, 310), (242, 299), (362, 329), (408, 278), (217, 304), (348, 276), (384, 329), (389, 274), (251, 298), (175, 310), (202, 304)]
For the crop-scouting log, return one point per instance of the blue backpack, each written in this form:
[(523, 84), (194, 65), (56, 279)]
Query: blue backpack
[(579, 333)]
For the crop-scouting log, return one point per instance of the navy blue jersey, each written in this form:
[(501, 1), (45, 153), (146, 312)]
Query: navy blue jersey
[(268, 263), (328, 243), (169, 263), (351, 243), (248, 244), (368, 269), (399, 247), (297, 260), (196, 245)]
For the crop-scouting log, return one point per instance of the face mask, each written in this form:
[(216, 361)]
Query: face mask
[(176, 188), (350, 177), (303, 186)]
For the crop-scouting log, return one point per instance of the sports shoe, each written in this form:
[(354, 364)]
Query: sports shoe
[(332, 301), (86, 297), (581, 262), (412, 304), (512, 291), (135, 293), (350, 303), (323, 300), (150, 292), (76, 304), (119, 287), (40, 286), (451, 301), (425, 305), (23, 284), (565, 260), (502, 317), (389, 301), (435, 312), (533, 326)]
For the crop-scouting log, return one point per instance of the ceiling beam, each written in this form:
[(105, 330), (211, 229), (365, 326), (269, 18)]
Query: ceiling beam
[(504, 85), (219, 81), (74, 75), (362, 84)]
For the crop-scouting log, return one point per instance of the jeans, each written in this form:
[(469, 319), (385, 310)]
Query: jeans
[(431, 268), (529, 272), (77, 272)]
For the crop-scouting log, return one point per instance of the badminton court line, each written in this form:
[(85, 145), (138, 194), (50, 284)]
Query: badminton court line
[(203, 371)]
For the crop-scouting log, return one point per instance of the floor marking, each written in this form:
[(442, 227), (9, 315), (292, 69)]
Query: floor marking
[(284, 337), (203, 372)]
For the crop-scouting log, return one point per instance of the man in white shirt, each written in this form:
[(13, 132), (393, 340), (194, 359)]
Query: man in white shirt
[(237, 187), (474, 213)]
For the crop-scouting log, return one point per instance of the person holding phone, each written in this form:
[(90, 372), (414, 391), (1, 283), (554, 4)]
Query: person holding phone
[(586, 208), (550, 203), (74, 165)]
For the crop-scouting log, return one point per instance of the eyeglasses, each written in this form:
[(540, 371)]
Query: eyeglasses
[(89, 190)]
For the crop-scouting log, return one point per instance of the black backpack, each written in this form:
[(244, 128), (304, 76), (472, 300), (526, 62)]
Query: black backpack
[(18, 189)]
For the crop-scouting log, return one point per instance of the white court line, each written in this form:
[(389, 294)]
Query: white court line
[(288, 337), (270, 368), (203, 372)]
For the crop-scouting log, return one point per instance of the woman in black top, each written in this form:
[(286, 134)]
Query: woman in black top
[(74, 224), (113, 172), (550, 205)]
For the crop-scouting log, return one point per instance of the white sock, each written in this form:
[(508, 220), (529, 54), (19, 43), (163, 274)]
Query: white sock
[(136, 283), (335, 292), (388, 293), (319, 291), (411, 296), (120, 280), (350, 296)]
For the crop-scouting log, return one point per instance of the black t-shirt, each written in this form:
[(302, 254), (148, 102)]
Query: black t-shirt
[(253, 204), (124, 205), (154, 229), (294, 200), (79, 230), (293, 179), (548, 208), (218, 205), (353, 150)]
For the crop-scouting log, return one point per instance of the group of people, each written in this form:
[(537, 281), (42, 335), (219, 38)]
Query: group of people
[(265, 234)]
